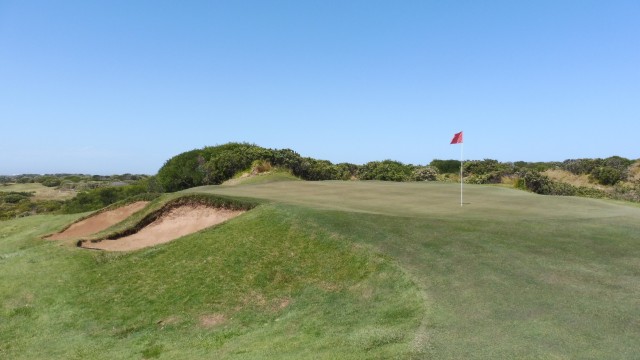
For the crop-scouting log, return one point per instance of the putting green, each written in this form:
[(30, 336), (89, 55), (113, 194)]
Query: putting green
[(427, 200)]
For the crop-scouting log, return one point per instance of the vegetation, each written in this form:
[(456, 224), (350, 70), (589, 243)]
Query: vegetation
[(614, 177), (351, 269), (269, 284), (217, 164), (348, 270), (19, 204), (535, 276), (387, 170), (72, 194), (98, 198)]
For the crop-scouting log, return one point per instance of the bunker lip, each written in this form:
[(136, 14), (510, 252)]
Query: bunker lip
[(173, 223), (98, 222)]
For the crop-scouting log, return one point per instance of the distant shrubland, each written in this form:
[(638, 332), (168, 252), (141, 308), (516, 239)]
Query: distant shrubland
[(612, 177), (68, 193)]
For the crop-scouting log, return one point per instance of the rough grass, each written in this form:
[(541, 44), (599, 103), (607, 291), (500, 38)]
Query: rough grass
[(263, 285), (274, 175), (41, 192), (572, 179), (634, 171)]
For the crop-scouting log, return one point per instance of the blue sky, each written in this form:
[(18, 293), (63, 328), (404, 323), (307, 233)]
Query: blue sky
[(107, 87)]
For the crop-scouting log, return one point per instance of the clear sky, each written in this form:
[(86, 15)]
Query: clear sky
[(107, 87)]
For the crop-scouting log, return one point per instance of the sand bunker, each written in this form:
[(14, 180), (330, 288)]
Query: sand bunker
[(99, 222), (176, 223)]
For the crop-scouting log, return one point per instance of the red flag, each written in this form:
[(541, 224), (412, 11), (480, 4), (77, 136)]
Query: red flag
[(457, 138)]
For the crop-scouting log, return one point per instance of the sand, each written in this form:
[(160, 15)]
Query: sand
[(99, 222), (176, 223)]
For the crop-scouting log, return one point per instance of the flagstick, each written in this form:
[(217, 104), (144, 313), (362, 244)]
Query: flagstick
[(461, 150)]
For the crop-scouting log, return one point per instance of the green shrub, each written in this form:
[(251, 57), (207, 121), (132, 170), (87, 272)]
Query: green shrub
[(312, 169), (387, 170), (227, 160), (49, 181), (588, 166), (95, 199), (424, 173), (182, 171), (606, 175), (346, 171), (446, 166), (541, 184), (14, 197)]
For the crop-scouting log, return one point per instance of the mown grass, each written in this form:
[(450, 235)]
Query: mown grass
[(339, 270), (509, 275)]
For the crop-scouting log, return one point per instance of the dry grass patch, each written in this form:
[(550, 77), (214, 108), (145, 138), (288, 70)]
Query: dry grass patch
[(40, 192), (211, 320), (634, 171), (572, 179)]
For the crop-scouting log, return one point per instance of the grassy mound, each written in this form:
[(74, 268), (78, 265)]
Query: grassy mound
[(269, 284)]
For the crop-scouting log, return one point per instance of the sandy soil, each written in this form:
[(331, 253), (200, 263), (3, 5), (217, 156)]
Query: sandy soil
[(176, 223), (99, 222)]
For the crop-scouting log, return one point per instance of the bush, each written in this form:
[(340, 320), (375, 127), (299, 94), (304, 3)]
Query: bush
[(95, 199), (216, 164), (312, 169), (490, 178), (446, 166), (346, 171), (182, 171), (534, 182), (387, 170), (541, 184), (606, 175), (424, 173), (14, 197), (488, 166), (581, 166), (49, 181)]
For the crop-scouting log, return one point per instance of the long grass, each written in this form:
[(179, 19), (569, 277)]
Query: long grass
[(40, 191)]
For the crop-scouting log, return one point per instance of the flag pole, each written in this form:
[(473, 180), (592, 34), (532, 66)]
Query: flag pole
[(461, 175), (457, 139)]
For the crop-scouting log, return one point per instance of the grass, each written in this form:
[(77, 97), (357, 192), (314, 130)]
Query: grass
[(41, 192), (339, 270), (274, 175), (572, 179), (263, 285), (509, 275)]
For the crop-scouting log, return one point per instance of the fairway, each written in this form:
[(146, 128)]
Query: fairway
[(337, 270)]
